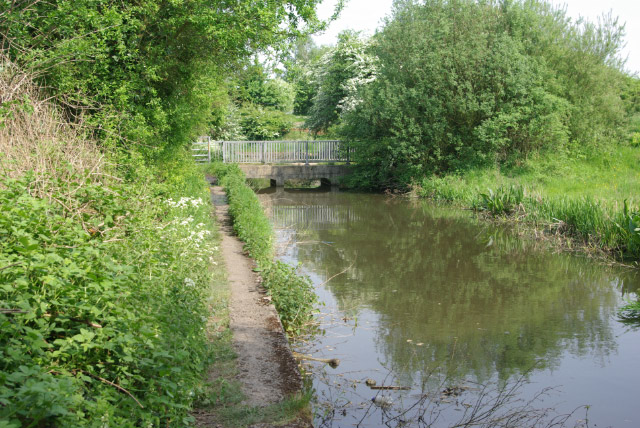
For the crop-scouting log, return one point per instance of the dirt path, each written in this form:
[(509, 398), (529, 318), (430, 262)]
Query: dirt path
[(266, 368)]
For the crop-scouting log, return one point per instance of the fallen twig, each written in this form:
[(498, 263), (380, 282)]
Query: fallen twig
[(115, 385), (11, 265), (87, 322), (340, 273), (11, 311), (391, 388), (333, 362)]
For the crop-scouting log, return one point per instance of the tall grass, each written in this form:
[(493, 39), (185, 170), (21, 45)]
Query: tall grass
[(35, 136), (601, 215)]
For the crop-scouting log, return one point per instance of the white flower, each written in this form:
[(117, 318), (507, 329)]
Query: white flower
[(186, 221)]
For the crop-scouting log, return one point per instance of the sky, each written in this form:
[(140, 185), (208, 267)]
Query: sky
[(366, 16)]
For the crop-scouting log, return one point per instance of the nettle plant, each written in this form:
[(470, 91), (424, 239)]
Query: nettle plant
[(102, 308)]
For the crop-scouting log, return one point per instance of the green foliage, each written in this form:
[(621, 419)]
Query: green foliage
[(227, 124), (261, 107), (256, 87), (258, 123), (504, 201), (305, 90), (279, 95), (631, 94), (630, 228), (447, 188), (292, 294), (630, 313), (249, 221), (299, 72), (338, 75), (148, 69), (462, 84), (92, 305)]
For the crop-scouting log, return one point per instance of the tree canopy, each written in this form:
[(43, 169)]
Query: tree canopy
[(454, 84), (145, 71)]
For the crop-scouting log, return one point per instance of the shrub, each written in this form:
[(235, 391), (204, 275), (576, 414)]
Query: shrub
[(260, 123), (102, 301), (292, 294), (629, 228), (504, 201), (465, 84)]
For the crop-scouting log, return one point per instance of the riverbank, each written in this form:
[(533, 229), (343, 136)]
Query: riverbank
[(593, 201), (103, 296)]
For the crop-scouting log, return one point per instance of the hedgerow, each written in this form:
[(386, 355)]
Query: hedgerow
[(292, 294), (103, 306)]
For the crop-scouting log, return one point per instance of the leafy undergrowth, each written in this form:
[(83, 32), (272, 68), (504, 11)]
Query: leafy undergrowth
[(103, 299), (292, 294), (594, 199)]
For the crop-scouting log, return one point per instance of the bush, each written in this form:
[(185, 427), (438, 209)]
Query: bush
[(504, 201), (464, 84), (103, 301), (260, 123), (629, 228)]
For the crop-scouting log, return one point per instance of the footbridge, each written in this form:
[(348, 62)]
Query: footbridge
[(278, 161)]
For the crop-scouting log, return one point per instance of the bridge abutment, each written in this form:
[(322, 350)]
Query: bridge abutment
[(275, 182), (329, 175)]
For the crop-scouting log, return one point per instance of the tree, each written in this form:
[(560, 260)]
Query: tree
[(145, 71), (338, 74), (462, 83), (299, 72)]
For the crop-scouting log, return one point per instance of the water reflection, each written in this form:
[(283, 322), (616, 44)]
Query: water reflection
[(426, 287)]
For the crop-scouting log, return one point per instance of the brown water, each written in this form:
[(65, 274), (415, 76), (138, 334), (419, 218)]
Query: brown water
[(456, 310)]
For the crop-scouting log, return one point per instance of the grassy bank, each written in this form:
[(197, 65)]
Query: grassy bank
[(593, 199), (291, 294)]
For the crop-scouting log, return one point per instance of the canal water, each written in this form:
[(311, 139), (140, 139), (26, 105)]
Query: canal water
[(466, 320)]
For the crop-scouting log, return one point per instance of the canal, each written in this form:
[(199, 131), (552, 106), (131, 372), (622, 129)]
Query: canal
[(466, 321)]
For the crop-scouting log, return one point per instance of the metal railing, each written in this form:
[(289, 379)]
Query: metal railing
[(206, 150), (312, 217), (201, 150)]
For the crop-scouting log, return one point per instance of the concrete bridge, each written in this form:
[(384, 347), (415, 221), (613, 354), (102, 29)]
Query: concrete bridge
[(327, 174), (280, 160)]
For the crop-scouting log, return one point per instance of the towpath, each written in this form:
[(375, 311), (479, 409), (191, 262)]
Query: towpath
[(266, 368)]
